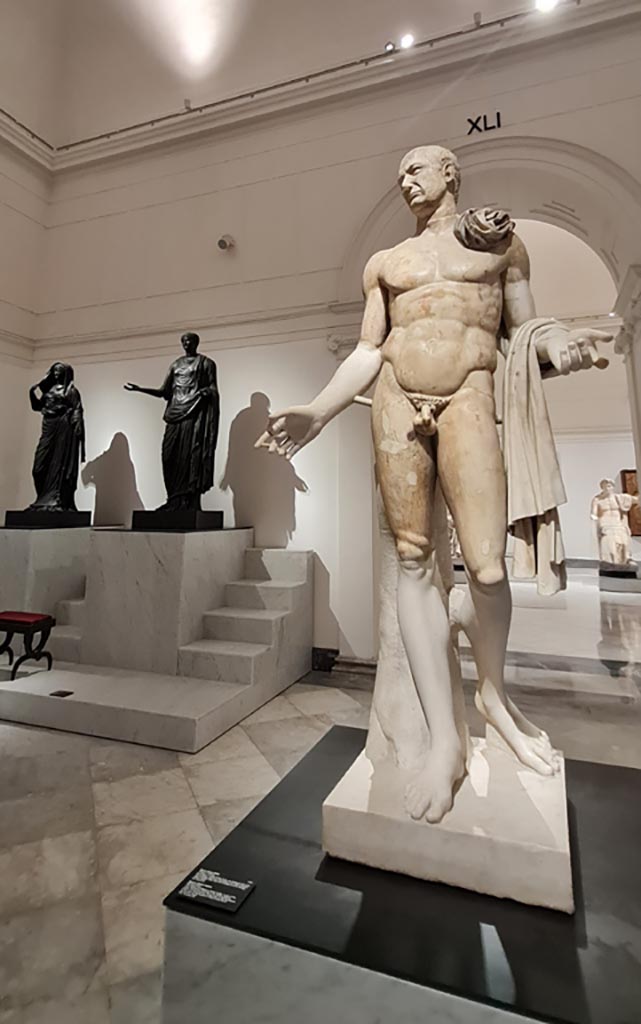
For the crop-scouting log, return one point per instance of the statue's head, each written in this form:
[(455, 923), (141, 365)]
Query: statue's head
[(59, 373), (607, 486), (426, 175), (190, 343)]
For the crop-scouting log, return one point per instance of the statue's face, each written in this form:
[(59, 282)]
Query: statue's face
[(608, 486), (190, 345), (422, 180), (58, 373)]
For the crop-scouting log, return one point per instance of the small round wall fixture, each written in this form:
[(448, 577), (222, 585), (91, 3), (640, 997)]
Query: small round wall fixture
[(407, 41), (390, 47), (546, 5), (225, 243)]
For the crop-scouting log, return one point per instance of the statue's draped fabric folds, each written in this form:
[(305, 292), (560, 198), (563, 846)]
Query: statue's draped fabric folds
[(192, 415), (191, 433), (62, 440)]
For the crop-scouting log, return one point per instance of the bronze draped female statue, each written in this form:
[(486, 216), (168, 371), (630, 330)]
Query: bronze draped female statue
[(62, 440), (191, 416)]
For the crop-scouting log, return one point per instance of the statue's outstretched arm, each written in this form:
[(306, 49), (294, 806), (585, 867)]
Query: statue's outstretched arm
[(288, 431), (561, 350)]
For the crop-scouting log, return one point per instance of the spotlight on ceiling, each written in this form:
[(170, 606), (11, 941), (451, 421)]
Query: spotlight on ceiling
[(546, 5), (390, 47), (407, 40)]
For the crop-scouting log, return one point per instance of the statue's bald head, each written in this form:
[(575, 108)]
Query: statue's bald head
[(428, 169)]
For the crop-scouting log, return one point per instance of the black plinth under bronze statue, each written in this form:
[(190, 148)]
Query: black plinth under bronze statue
[(60, 449), (191, 432)]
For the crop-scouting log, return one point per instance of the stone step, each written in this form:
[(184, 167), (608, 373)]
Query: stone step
[(274, 595), (230, 660), (253, 625), (64, 643), (277, 564), (71, 612), (120, 704)]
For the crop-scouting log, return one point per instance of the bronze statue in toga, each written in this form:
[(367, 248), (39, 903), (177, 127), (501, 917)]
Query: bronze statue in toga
[(191, 416)]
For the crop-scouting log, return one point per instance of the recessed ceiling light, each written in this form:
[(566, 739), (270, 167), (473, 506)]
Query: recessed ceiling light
[(407, 40), (546, 5)]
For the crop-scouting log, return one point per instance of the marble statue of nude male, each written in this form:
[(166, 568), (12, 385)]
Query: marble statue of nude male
[(437, 306)]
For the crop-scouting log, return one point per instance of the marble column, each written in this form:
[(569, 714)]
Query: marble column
[(628, 345)]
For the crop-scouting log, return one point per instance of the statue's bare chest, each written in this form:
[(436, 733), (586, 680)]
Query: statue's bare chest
[(419, 262)]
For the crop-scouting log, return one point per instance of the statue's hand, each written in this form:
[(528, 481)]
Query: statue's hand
[(289, 431), (131, 387), (577, 350)]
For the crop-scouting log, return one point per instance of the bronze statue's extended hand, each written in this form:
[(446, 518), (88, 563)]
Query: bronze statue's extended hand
[(289, 431), (577, 350), (131, 387)]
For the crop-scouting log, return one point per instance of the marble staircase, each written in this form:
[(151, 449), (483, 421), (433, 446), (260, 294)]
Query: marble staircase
[(66, 635), (253, 637), (250, 649)]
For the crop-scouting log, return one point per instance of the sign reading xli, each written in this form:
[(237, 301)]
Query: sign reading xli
[(482, 124)]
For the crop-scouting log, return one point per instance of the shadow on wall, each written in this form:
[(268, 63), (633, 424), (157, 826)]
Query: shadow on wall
[(113, 475), (263, 485)]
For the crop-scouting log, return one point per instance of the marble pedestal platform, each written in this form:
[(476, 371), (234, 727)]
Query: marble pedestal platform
[(507, 834), (147, 593), (39, 568), (320, 938)]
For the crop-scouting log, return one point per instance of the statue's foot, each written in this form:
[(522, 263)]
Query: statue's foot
[(431, 794), (529, 744)]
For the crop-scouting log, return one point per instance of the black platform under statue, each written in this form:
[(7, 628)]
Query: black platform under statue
[(189, 445), (60, 449)]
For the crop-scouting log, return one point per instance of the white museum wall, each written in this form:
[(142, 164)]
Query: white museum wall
[(133, 241), (14, 402), (285, 503), (32, 33), (130, 260)]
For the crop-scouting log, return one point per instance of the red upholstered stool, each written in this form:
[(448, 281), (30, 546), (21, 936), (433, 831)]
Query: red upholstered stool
[(28, 625)]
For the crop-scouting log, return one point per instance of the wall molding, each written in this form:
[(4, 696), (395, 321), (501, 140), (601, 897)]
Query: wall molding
[(16, 349), (350, 78), (306, 323)]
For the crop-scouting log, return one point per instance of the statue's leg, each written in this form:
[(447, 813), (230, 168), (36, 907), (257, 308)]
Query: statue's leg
[(470, 467), (406, 473)]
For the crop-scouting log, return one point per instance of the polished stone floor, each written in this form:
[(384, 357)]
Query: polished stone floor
[(94, 834)]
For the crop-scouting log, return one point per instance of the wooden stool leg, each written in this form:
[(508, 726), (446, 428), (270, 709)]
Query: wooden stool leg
[(34, 654), (5, 647)]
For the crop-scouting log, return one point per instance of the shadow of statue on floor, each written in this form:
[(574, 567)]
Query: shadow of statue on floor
[(113, 475), (263, 487)]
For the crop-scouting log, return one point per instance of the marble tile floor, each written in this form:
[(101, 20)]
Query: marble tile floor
[(94, 834)]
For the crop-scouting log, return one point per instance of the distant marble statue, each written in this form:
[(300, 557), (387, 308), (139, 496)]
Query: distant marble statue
[(439, 307), (62, 441), (192, 414), (610, 510)]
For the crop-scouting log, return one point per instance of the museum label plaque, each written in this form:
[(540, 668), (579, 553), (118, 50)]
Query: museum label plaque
[(211, 889)]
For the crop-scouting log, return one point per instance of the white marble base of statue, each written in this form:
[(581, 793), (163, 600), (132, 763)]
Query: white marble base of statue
[(440, 306), (611, 510)]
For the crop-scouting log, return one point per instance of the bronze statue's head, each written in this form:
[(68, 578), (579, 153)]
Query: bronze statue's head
[(425, 175), (190, 343), (58, 373)]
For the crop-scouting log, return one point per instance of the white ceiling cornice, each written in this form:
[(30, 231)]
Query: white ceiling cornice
[(378, 70)]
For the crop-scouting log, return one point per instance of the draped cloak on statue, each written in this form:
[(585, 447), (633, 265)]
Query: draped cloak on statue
[(61, 444), (534, 485), (192, 416)]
